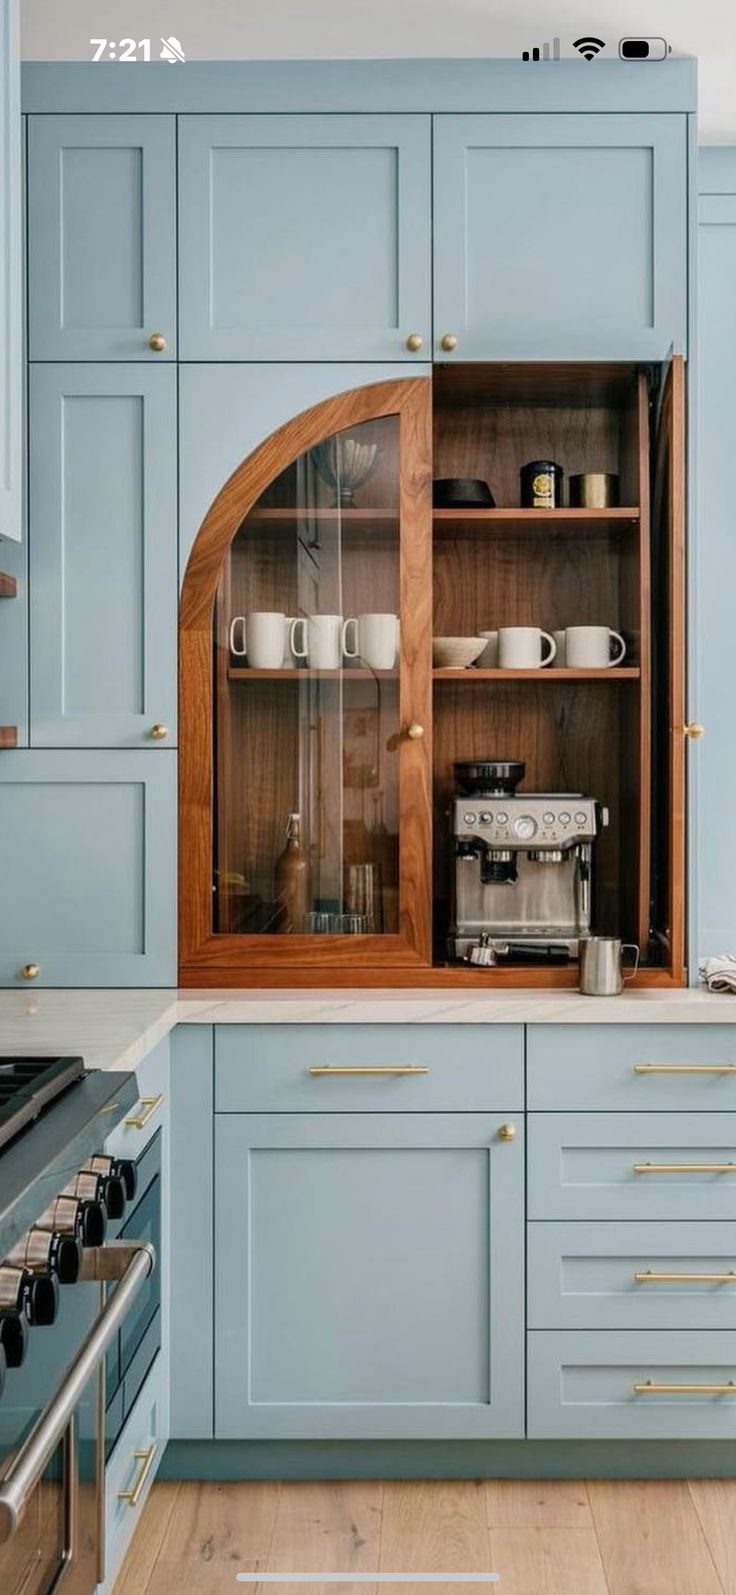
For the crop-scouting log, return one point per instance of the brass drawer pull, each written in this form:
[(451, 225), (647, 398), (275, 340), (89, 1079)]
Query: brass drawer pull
[(150, 1105), (368, 1068), (685, 1168), (685, 1068), (146, 1459), (649, 1388), (650, 1278)]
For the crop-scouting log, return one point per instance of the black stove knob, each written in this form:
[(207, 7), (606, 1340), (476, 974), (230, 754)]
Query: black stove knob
[(14, 1337), (114, 1196), (125, 1169), (66, 1259), (93, 1223), (41, 1299)]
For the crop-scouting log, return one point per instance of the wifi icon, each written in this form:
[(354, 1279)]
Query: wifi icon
[(590, 48)]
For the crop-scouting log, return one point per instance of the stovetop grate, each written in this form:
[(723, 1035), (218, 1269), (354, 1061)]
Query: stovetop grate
[(28, 1085)]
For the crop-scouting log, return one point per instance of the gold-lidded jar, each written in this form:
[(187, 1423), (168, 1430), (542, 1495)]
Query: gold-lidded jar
[(594, 490)]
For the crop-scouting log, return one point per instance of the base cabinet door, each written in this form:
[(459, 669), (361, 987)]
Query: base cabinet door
[(369, 1276), (560, 237), (88, 869)]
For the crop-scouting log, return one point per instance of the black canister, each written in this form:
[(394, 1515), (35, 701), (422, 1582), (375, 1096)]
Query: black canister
[(541, 485)]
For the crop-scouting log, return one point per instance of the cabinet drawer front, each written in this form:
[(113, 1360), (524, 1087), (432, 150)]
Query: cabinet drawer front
[(610, 281), (152, 1110), (583, 1386), (631, 1276), (386, 1068), (145, 1435), (88, 866), (343, 257), (369, 1276), (652, 1067), (102, 237), (632, 1165)]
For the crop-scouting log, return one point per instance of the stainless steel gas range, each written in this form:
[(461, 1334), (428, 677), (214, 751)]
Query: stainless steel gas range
[(79, 1312)]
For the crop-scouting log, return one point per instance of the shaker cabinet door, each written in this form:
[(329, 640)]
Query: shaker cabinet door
[(87, 863), (560, 237), (103, 556), (102, 237), (369, 1277), (304, 237)]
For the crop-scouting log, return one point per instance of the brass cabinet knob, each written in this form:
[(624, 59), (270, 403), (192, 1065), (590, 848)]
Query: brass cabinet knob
[(159, 733), (415, 732), (157, 342), (448, 342), (507, 1132), (694, 731), (414, 342), (31, 971)]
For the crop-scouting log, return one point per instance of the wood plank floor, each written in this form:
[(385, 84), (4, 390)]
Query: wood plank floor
[(544, 1538)]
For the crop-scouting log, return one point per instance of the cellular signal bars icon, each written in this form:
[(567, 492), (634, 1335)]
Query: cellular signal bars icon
[(544, 54)]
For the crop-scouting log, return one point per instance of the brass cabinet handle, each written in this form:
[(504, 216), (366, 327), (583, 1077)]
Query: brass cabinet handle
[(507, 1132), (414, 342), (649, 1388), (159, 733), (157, 342), (31, 971), (150, 1105), (146, 1459), (647, 1277), (685, 1168), (685, 1068), (448, 342), (368, 1068), (415, 731)]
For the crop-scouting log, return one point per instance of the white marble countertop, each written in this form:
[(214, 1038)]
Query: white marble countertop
[(116, 1029)]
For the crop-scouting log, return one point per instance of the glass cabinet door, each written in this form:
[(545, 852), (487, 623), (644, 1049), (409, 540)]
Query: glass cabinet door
[(319, 701)]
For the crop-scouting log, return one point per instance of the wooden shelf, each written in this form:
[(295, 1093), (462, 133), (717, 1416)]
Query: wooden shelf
[(8, 736), (287, 518), (350, 673), (544, 673), (533, 523), (8, 586)]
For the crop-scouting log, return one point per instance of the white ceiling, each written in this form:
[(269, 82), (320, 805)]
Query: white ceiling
[(296, 29)]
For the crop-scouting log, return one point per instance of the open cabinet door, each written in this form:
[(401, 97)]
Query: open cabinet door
[(668, 674)]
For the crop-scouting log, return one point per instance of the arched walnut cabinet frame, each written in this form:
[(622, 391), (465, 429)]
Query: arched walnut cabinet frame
[(224, 959), (635, 759)]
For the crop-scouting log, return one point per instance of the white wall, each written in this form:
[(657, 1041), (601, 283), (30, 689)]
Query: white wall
[(262, 29)]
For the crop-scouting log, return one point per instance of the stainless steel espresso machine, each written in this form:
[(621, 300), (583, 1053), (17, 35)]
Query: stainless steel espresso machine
[(523, 867)]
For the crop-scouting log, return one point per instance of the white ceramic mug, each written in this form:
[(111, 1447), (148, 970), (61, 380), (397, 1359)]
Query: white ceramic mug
[(520, 648), (590, 648), (489, 657), (561, 645), (260, 635), (376, 640), (321, 640), (289, 660)]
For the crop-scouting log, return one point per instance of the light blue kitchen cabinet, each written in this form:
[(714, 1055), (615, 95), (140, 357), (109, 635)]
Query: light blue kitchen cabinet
[(634, 1385), (714, 552), (631, 1276), (369, 1276), (633, 1166), (101, 237), (304, 237), (560, 237), (650, 1068), (103, 555), (88, 868), (11, 290)]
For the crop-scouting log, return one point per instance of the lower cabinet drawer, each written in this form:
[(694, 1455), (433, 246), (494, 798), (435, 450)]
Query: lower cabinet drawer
[(632, 1165), (644, 1067), (368, 1068), (132, 1469), (676, 1385), (631, 1276)]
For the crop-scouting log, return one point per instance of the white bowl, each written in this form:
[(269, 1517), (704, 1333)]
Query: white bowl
[(456, 653)]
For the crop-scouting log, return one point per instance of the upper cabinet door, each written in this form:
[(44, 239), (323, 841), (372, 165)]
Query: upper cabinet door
[(304, 237), (560, 237), (102, 237), (103, 556), (11, 294)]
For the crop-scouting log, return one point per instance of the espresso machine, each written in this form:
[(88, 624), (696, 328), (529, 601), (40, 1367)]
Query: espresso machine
[(523, 867)]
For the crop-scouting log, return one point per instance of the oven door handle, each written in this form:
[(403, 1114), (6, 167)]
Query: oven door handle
[(130, 1264)]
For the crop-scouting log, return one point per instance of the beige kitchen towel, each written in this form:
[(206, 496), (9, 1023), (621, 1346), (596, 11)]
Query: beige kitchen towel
[(719, 972)]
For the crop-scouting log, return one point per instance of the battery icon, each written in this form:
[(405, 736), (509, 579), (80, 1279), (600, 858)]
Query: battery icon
[(643, 49)]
